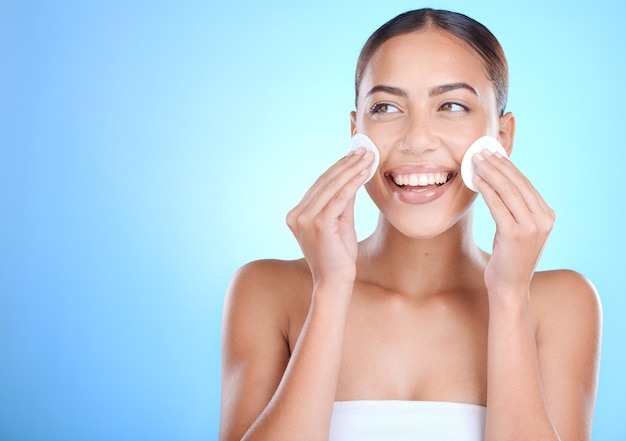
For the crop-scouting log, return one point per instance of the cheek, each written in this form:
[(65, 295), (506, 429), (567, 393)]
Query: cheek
[(386, 136)]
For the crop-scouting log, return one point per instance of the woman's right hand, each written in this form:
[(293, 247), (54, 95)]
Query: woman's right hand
[(323, 222)]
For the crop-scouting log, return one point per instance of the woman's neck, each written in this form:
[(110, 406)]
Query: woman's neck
[(450, 261)]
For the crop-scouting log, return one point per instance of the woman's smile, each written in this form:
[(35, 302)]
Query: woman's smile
[(419, 184)]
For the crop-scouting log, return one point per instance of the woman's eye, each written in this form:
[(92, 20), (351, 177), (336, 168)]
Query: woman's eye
[(453, 107), (383, 108)]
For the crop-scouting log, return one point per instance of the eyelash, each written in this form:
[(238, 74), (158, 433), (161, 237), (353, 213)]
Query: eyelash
[(376, 108), (465, 108)]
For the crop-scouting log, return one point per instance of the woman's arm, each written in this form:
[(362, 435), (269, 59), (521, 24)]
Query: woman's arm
[(269, 394), (569, 337), (543, 348), (542, 372)]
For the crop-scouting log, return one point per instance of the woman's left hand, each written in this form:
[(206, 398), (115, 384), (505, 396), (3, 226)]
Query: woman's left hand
[(523, 222)]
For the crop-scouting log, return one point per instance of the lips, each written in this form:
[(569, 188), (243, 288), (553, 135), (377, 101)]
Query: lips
[(419, 184)]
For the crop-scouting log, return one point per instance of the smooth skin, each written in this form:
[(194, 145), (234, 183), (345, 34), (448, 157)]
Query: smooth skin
[(416, 311)]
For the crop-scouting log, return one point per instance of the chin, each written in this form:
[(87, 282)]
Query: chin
[(428, 221)]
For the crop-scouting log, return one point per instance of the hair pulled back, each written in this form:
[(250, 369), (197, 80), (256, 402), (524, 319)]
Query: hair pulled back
[(468, 30)]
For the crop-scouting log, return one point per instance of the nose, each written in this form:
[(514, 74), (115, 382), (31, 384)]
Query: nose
[(419, 137)]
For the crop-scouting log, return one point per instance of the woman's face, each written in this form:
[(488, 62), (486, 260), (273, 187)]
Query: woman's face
[(424, 98)]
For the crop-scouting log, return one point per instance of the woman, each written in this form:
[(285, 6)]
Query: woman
[(415, 333)]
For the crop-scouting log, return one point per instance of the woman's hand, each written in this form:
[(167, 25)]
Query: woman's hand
[(523, 223), (323, 222)]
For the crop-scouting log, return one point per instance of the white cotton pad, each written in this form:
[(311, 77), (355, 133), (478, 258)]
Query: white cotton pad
[(361, 140), (467, 166)]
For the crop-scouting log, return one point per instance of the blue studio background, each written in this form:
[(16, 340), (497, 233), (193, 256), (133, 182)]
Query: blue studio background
[(148, 149)]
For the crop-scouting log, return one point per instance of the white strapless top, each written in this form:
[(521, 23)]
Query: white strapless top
[(389, 420)]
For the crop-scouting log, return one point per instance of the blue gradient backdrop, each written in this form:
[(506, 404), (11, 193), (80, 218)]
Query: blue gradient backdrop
[(148, 149)]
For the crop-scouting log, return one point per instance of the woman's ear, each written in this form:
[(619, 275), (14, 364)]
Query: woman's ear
[(507, 132), (352, 123)]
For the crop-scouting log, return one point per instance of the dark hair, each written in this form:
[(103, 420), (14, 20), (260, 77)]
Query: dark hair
[(468, 30)]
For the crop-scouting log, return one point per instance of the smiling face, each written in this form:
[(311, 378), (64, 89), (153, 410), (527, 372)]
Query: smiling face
[(424, 98)]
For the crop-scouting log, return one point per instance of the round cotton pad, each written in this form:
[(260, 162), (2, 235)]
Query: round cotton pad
[(361, 140), (467, 166)]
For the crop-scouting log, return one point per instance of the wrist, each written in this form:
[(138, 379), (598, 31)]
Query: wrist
[(513, 300), (333, 293)]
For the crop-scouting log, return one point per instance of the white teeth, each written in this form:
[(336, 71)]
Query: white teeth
[(421, 179)]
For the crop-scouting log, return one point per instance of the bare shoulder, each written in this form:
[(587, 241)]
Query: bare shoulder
[(262, 297), (268, 282), (567, 313), (564, 292)]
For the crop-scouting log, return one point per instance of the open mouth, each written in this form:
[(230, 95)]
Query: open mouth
[(418, 181)]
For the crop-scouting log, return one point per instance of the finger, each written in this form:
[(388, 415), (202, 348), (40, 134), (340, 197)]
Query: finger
[(334, 216), (502, 193), (533, 198), (340, 185), (350, 169), (339, 191), (337, 169), (511, 199), (499, 211)]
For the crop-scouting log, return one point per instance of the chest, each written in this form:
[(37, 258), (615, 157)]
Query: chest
[(431, 350)]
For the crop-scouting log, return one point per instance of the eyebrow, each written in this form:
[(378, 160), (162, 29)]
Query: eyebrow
[(437, 90), (388, 89)]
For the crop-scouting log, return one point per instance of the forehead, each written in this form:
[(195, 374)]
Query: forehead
[(426, 57)]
